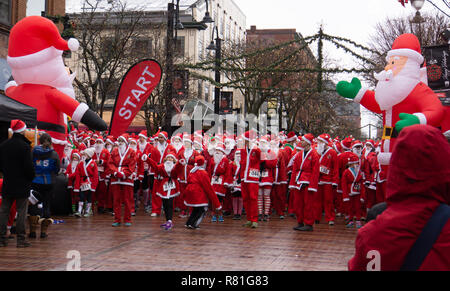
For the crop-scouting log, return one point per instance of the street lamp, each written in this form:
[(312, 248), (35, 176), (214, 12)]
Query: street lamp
[(207, 18), (217, 46), (417, 4)]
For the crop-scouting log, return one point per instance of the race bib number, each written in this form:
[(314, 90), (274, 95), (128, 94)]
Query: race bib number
[(324, 170), (253, 173), (85, 187), (217, 180), (169, 186), (265, 174)]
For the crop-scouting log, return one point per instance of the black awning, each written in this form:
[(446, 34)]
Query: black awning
[(11, 109)]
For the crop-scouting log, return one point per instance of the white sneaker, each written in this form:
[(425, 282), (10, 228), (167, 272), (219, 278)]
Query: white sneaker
[(331, 223), (153, 214)]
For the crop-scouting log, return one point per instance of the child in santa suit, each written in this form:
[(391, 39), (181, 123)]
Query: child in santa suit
[(162, 149), (71, 174), (218, 169), (353, 190), (304, 183), (328, 177), (168, 186), (86, 181), (101, 158), (138, 174), (144, 148), (268, 164), (187, 154), (198, 193), (121, 167), (346, 144), (234, 184), (280, 180)]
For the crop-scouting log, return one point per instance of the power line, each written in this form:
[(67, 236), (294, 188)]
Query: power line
[(440, 8)]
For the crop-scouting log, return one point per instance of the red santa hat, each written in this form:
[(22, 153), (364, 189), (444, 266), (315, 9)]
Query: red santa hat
[(352, 159), (356, 143), (371, 142), (30, 41), (123, 137), (99, 139), (291, 137), (18, 125), (199, 161), (406, 45), (249, 135), (309, 138), (110, 139), (172, 155), (346, 143), (143, 134), (326, 138), (163, 134), (75, 153), (132, 139), (82, 147), (178, 136)]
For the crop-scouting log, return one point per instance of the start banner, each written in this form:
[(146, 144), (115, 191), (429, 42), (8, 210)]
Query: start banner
[(137, 85)]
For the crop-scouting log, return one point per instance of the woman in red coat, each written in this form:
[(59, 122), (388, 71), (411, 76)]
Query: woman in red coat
[(198, 193), (418, 182)]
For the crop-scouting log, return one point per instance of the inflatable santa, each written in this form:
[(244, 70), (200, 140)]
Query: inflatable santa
[(41, 79), (400, 95)]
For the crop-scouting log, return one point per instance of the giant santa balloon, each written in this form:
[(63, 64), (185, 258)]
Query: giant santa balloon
[(42, 81), (400, 95)]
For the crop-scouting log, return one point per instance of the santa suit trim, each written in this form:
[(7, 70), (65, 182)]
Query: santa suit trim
[(195, 205), (360, 95), (406, 53), (422, 117), (10, 84), (167, 196), (79, 112), (32, 60)]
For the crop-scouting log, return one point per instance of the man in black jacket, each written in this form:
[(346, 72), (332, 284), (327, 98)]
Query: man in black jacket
[(18, 172)]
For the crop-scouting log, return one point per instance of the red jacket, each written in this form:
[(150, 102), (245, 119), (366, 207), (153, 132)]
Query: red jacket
[(189, 158), (71, 174), (86, 176), (305, 170), (329, 168), (199, 190), (352, 184), (121, 168), (342, 163), (418, 182), (270, 164), (218, 174), (280, 175), (102, 163), (167, 186), (250, 165), (233, 179)]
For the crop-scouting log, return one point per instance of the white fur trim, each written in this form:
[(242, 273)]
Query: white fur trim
[(360, 94), (346, 199), (384, 158), (59, 141), (33, 59), (312, 189), (412, 54), (10, 84), (73, 44), (20, 129), (422, 117), (305, 139), (79, 112)]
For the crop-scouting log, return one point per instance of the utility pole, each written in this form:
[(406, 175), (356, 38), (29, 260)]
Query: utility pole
[(169, 67)]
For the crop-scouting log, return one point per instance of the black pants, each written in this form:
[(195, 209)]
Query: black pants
[(168, 208), (197, 215), (46, 195), (86, 196), (22, 208)]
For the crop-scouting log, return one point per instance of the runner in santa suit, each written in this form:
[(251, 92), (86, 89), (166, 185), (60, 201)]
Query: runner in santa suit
[(144, 148), (198, 193), (162, 149), (168, 187), (280, 187), (138, 176), (230, 150), (368, 158), (353, 191), (233, 183), (217, 168), (109, 146), (121, 167), (268, 164), (346, 145), (304, 182), (293, 152), (400, 95), (86, 182), (71, 174), (250, 174), (101, 157), (42, 81), (187, 154), (328, 178)]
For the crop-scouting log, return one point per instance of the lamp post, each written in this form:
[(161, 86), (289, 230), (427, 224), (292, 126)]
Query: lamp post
[(217, 47), (417, 4)]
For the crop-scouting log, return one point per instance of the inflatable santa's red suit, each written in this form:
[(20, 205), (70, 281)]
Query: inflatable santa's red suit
[(401, 95), (42, 81)]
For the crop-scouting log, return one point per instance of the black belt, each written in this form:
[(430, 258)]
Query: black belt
[(51, 127), (389, 132)]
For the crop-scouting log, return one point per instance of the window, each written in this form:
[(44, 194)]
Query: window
[(180, 47), (36, 7), (5, 12), (107, 46), (143, 46)]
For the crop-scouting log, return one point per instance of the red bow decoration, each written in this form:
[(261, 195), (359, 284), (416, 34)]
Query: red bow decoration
[(403, 2)]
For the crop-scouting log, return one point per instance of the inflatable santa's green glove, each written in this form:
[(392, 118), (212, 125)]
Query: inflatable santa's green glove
[(405, 121), (349, 90)]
